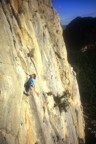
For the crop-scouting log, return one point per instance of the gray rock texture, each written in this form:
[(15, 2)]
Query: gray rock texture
[(31, 41)]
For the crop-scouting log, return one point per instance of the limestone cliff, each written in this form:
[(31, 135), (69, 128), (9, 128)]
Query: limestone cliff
[(31, 40)]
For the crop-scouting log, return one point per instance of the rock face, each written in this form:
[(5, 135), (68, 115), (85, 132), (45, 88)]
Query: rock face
[(31, 40)]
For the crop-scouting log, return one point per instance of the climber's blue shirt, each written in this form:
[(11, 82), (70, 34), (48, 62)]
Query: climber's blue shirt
[(30, 83)]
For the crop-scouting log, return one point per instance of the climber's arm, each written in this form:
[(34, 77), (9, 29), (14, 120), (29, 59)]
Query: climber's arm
[(27, 74), (33, 88)]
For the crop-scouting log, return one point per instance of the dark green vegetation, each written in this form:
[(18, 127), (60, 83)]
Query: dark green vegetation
[(80, 39)]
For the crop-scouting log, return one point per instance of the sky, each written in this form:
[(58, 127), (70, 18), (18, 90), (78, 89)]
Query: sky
[(70, 9)]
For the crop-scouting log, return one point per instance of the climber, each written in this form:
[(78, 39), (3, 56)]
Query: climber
[(29, 85)]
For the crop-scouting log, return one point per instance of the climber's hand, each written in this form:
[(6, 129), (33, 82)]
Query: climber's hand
[(26, 73)]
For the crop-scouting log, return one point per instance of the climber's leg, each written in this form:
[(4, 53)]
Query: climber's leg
[(27, 89)]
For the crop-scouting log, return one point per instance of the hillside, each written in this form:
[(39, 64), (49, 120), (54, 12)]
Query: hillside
[(80, 39), (80, 33)]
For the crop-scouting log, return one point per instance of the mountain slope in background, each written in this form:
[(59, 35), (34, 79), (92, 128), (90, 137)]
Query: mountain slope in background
[(80, 39), (81, 33)]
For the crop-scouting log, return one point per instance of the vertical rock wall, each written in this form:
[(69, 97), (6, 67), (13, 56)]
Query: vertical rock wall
[(31, 40)]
